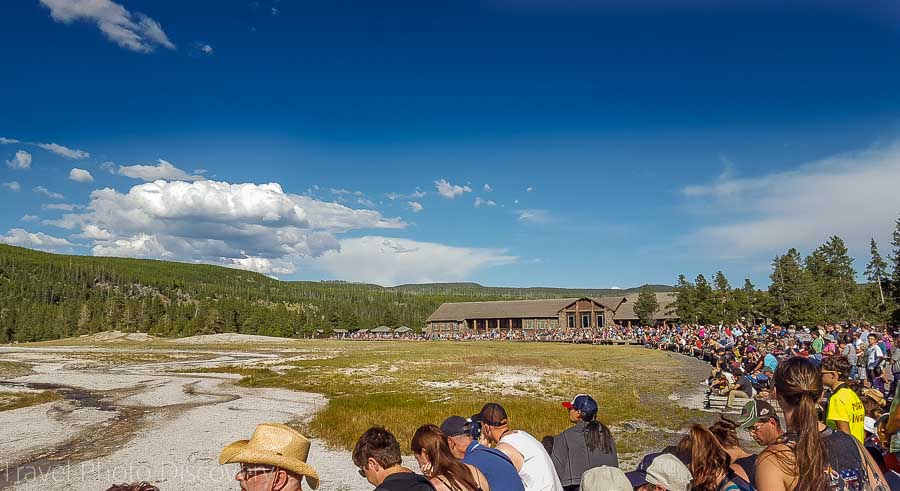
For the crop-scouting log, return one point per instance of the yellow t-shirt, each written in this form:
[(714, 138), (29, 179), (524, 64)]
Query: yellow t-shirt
[(844, 405)]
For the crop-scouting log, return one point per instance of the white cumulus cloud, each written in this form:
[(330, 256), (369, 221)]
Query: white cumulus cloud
[(13, 186), (217, 222), (164, 170), (392, 261), (450, 191), (135, 32), (415, 206), (483, 202), (22, 160), (80, 175), (853, 195), (23, 238), (487, 188), (207, 49), (93, 232)]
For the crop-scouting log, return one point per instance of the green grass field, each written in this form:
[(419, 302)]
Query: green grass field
[(402, 385)]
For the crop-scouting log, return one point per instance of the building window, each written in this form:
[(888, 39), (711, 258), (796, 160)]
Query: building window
[(600, 320), (529, 323), (554, 323), (571, 320), (585, 320)]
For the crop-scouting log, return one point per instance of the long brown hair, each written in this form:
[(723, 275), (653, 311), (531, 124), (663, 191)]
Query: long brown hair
[(725, 431), (708, 458), (798, 385), (433, 441)]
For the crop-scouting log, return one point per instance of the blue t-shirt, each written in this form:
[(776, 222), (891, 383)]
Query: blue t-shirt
[(499, 471), (770, 361)]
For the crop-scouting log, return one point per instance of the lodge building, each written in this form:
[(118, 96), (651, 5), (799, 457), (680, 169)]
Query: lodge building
[(558, 313)]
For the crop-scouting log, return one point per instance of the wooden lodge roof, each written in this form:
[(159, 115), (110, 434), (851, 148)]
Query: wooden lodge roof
[(623, 306), (509, 309)]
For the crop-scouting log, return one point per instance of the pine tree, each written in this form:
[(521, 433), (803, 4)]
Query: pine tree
[(646, 305), (792, 290), (706, 303), (724, 300), (840, 285), (895, 260), (685, 300), (876, 270)]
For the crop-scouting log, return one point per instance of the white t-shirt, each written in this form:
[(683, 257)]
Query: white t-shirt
[(873, 355), (538, 472)]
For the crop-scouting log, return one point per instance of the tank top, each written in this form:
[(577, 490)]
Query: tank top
[(846, 470), (538, 472)]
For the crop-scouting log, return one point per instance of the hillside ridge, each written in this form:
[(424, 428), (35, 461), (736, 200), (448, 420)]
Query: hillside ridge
[(50, 296)]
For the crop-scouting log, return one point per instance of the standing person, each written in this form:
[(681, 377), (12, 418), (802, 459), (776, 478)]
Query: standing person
[(845, 410), (585, 445), (874, 355), (440, 466), (818, 345), (810, 456), (377, 454), (495, 465), (710, 464), (761, 421), (895, 367), (743, 463), (273, 459), (526, 453)]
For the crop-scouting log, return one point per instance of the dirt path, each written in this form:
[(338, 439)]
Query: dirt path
[(138, 421)]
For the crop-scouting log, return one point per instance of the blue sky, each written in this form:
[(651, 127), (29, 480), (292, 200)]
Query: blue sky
[(622, 142)]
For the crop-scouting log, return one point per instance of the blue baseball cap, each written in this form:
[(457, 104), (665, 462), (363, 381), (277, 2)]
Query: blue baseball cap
[(584, 403)]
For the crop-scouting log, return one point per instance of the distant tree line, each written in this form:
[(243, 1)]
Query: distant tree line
[(819, 288), (49, 296)]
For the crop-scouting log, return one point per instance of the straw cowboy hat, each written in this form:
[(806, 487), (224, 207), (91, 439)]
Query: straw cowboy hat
[(273, 444)]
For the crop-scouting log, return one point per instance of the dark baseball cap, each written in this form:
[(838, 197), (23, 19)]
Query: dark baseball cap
[(583, 403), (756, 410), (455, 425), (492, 414)]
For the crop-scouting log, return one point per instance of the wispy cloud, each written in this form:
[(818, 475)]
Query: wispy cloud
[(136, 32), (415, 206), (535, 216), (853, 195), (391, 261), (479, 202), (47, 193), (61, 150), (64, 151), (164, 170), (450, 191), (487, 188), (13, 186)]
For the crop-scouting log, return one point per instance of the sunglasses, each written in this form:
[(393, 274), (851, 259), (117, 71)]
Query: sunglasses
[(250, 471)]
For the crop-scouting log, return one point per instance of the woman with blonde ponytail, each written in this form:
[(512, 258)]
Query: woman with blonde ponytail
[(810, 456)]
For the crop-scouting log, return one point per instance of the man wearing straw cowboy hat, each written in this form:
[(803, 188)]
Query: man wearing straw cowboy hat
[(273, 459)]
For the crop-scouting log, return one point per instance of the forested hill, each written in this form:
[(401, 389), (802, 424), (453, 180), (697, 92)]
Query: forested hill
[(49, 296)]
